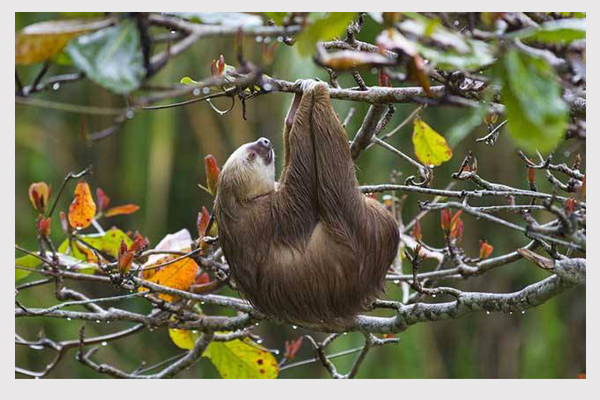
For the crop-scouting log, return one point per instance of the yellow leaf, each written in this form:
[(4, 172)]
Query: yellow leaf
[(430, 147), (83, 208), (179, 275), (242, 359), (183, 338), (236, 359), (42, 41)]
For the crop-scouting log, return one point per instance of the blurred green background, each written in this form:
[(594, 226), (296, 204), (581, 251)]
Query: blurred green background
[(156, 160)]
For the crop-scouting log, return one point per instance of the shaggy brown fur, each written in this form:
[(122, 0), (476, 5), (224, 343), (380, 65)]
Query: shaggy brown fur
[(311, 250)]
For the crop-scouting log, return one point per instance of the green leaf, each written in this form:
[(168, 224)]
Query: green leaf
[(186, 80), (239, 359), (478, 55), (108, 243), (44, 40), (558, 31), (537, 114), (112, 57), (446, 49), (27, 261), (327, 27)]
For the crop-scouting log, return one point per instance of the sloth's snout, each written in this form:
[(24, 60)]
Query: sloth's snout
[(264, 148), (264, 142)]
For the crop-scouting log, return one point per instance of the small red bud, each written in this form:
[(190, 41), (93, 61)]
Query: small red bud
[(531, 175), (570, 205), (416, 231), (43, 226)]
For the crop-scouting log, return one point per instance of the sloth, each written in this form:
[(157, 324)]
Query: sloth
[(310, 249)]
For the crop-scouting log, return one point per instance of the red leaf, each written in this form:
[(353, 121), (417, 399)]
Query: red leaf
[(212, 173), (203, 219), (120, 210), (139, 243), (292, 347), (202, 279), (102, 199)]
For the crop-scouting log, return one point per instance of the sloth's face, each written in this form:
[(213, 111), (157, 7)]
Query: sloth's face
[(260, 151), (252, 167)]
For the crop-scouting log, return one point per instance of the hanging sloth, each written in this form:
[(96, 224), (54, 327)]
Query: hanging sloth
[(310, 249)]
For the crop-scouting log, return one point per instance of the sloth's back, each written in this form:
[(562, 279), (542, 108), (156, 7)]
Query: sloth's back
[(326, 278)]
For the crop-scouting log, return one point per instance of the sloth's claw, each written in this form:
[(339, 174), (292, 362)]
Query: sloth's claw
[(306, 84)]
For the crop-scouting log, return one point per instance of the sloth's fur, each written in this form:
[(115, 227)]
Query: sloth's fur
[(310, 249)]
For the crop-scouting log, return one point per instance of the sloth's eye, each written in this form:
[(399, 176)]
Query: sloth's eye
[(251, 156)]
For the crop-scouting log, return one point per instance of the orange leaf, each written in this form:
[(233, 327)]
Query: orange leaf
[(83, 208), (485, 249), (455, 222), (179, 275), (457, 228), (445, 218), (119, 210)]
